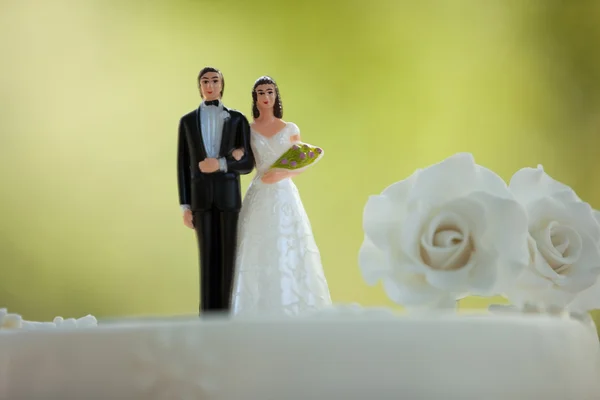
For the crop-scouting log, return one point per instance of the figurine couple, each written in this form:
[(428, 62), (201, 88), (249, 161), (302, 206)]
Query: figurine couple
[(257, 255)]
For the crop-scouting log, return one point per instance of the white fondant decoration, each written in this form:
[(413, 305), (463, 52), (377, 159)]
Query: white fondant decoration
[(564, 242), (369, 356), (448, 231), (15, 321)]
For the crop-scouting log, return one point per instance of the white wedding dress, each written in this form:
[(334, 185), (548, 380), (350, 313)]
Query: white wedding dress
[(278, 264)]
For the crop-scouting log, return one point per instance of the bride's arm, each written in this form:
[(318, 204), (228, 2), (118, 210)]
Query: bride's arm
[(277, 175)]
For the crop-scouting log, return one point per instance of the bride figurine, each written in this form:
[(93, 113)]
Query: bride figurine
[(278, 266)]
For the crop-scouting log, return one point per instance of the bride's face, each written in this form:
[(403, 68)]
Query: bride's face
[(265, 96)]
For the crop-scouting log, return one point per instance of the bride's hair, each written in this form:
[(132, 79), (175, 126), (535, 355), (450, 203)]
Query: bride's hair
[(277, 107)]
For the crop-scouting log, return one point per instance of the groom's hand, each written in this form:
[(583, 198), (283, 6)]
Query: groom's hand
[(209, 165), (188, 219)]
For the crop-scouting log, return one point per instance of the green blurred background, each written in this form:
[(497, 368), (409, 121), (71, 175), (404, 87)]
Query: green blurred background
[(92, 92)]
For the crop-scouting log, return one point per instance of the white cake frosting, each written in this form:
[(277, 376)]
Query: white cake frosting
[(351, 355), (16, 321), (543, 347)]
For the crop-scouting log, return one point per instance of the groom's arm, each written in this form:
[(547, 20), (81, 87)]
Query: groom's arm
[(184, 179), (245, 164)]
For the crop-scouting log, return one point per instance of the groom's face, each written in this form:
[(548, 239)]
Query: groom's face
[(210, 86)]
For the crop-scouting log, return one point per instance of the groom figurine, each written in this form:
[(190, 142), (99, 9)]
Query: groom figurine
[(214, 149)]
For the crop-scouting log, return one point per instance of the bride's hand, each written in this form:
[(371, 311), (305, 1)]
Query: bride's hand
[(237, 154), (274, 176)]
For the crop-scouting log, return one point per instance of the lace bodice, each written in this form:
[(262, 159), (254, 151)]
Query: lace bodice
[(268, 150)]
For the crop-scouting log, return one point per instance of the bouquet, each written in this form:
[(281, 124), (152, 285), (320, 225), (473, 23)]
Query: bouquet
[(299, 156)]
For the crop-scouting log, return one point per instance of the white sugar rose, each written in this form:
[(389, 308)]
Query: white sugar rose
[(564, 241), (588, 299), (448, 231)]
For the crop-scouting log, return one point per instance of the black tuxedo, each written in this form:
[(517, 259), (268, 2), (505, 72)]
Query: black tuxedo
[(215, 200)]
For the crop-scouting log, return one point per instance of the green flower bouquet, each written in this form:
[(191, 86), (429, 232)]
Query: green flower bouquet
[(299, 156)]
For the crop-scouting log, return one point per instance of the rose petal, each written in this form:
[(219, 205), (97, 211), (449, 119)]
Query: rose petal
[(399, 191), (491, 183), (587, 300), (566, 196), (380, 219), (582, 216), (544, 210), (484, 277), (454, 177), (437, 246), (531, 184), (472, 211), (541, 267), (584, 272), (410, 289), (453, 281), (504, 251), (409, 240), (510, 271), (373, 262), (531, 279), (551, 260), (499, 214)]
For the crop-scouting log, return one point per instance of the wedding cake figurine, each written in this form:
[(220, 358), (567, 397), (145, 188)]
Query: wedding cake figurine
[(278, 263)]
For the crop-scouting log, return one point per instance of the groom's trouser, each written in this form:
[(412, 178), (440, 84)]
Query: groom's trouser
[(216, 232)]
